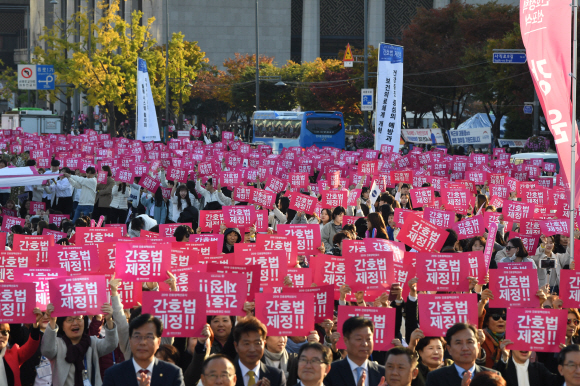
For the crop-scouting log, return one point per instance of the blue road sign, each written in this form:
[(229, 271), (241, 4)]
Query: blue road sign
[(367, 99), (528, 109), (511, 58), (44, 77)]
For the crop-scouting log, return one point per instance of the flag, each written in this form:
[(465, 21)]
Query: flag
[(147, 126)]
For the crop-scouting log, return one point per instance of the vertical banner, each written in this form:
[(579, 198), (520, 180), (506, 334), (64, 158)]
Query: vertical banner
[(389, 96), (147, 126)]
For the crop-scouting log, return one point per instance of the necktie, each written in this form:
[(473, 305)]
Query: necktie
[(252, 381), (146, 372), (359, 371)]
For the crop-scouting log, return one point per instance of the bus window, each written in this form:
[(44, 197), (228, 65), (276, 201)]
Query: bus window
[(324, 126)]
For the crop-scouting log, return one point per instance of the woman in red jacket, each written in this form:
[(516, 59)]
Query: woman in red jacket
[(12, 358)]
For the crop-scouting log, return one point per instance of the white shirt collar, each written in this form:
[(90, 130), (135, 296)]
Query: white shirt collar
[(524, 365), (353, 365), (245, 370), (461, 370), (137, 367)]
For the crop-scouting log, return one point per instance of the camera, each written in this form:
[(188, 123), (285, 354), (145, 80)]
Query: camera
[(548, 263)]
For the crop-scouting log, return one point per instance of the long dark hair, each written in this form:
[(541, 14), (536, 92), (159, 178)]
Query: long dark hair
[(158, 197), (123, 186), (377, 222), (177, 193), (23, 211), (517, 243)]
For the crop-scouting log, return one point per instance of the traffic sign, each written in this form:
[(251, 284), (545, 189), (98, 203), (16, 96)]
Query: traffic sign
[(27, 76), (348, 59), (45, 77), (509, 57), (366, 99), (528, 109)]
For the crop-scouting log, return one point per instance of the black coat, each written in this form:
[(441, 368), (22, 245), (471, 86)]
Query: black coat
[(538, 374), (292, 368), (123, 374), (448, 376), (276, 377), (340, 374)]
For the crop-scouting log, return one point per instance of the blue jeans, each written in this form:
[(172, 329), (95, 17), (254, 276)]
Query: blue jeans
[(84, 209)]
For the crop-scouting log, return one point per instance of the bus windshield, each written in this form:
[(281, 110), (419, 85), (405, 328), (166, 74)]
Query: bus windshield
[(324, 126), (277, 128)]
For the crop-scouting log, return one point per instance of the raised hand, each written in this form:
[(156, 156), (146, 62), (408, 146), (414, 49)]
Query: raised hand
[(114, 284)]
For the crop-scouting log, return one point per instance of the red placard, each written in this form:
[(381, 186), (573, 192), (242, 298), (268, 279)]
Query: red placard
[(167, 230), (77, 260), (440, 218), (37, 244), (239, 216), (122, 227), (353, 196), (323, 300), (329, 270), (78, 295), (516, 211), (554, 227), (422, 196), (287, 244), (421, 235), (302, 202), (182, 313), (469, 227), (125, 176), (443, 272), (142, 262), (56, 219), (9, 212), (102, 176), (243, 193), (150, 183), (489, 244), (40, 277), (456, 199), (9, 260), (536, 329), (570, 288), (400, 215), (176, 174), (210, 220), (333, 198), (443, 311), (370, 271), (129, 292), (252, 272), (166, 192), (90, 236), (226, 292), (17, 302), (35, 206), (308, 236), (287, 314), (404, 176), (513, 288), (298, 180), (9, 221), (383, 319), (530, 241), (273, 265)]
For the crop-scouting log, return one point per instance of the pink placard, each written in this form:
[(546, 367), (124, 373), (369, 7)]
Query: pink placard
[(308, 236), (333, 198), (142, 262), (287, 244), (489, 244), (273, 265), (167, 230), (124, 176), (441, 218), (516, 211), (536, 329), (456, 199), (554, 227), (9, 221), (513, 288), (421, 235), (443, 272), (35, 206), (38, 244), (239, 216), (210, 220), (56, 219), (383, 319), (516, 266), (17, 302), (90, 236), (469, 227), (77, 260), (122, 227), (40, 277), (323, 300), (182, 313), (287, 314), (370, 271), (129, 292), (78, 295), (422, 196), (9, 260), (226, 292), (150, 183), (329, 270), (570, 288), (443, 311), (302, 202), (252, 272)]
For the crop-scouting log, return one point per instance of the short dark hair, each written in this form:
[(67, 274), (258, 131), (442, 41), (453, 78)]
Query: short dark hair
[(566, 350), (405, 186), (142, 320), (55, 162), (488, 378), (137, 224), (325, 351), (169, 352), (209, 181), (354, 323), (451, 238), (182, 231), (338, 211), (249, 324), (3, 161), (457, 327), (31, 162), (213, 357), (426, 341), (398, 350), (91, 170), (339, 238)]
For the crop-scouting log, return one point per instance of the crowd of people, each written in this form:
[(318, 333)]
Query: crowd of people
[(122, 344)]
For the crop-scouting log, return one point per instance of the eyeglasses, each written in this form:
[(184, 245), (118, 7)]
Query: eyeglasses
[(572, 366), (223, 377), (573, 321), (139, 338), (497, 317), (313, 361), (4, 332), (509, 248), (71, 319)]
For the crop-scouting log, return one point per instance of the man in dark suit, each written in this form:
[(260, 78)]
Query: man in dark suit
[(249, 341), (518, 370), (358, 337), (464, 348), (144, 369), (569, 363)]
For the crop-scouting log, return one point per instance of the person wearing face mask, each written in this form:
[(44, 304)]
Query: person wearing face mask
[(11, 359), (546, 257), (431, 351), (275, 355), (517, 370), (515, 251)]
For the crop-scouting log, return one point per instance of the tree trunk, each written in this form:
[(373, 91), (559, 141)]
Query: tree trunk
[(112, 120)]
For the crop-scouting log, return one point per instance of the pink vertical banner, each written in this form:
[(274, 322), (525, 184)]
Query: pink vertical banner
[(17, 302), (286, 314), (382, 318), (536, 329), (78, 295), (489, 243), (443, 311), (182, 313)]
